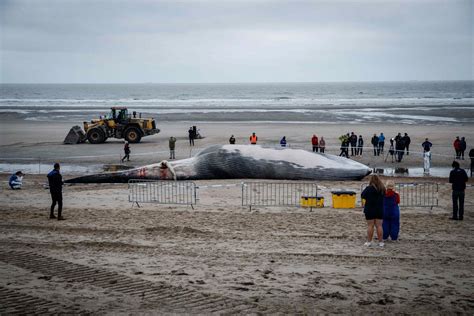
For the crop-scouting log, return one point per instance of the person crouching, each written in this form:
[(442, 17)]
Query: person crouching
[(391, 213), (15, 180)]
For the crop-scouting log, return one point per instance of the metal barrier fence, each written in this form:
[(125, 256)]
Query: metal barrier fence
[(162, 192), (276, 193), (416, 194)]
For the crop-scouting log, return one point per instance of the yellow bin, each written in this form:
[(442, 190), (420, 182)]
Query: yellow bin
[(312, 201), (343, 199)]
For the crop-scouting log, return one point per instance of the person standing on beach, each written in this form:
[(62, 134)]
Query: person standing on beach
[(360, 145), (407, 141), (373, 195), (381, 143), (399, 148), (458, 178), (56, 189), (471, 155), (127, 151), (375, 143), (232, 140), (457, 147), (427, 145), (172, 144), (391, 150), (391, 213), (322, 145), (253, 139), (191, 136), (353, 142), (315, 143), (462, 147), (283, 142), (344, 145)]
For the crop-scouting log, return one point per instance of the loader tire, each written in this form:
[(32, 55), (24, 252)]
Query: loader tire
[(96, 136), (133, 135)]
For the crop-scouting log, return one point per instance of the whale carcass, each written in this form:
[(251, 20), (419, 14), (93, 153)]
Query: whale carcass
[(242, 162)]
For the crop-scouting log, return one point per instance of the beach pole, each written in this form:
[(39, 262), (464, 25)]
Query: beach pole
[(39, 165)]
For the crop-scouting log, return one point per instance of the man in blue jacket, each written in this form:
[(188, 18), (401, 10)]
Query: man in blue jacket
[(458, 178), (56, 189)]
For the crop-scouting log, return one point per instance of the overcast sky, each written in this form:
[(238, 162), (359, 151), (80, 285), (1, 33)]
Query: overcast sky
[(68, 41)]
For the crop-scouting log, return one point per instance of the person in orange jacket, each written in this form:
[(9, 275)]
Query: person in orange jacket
[(253, 139)]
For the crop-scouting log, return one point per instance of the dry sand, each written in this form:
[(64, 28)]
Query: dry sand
[(108, 257), (270, 260)]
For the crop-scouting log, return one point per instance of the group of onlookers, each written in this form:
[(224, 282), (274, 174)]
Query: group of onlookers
[(318, 144), (355, 143), (381, 211), (399, 145), (381, 205), (378, 142), (460, 146)]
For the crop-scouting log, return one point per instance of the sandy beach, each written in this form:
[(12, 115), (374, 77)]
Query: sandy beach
[(221, 258), (111, 257)]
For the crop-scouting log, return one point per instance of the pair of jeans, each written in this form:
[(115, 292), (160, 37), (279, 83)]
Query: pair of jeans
[(458, 204), (56, 197)]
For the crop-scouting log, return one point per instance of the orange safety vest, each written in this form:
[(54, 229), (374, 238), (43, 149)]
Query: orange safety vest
[(253, 139)]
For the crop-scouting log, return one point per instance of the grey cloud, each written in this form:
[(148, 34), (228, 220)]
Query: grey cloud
[(235, 40)]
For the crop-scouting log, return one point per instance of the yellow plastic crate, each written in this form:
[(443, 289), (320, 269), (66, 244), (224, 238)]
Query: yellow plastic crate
[(343, 199), (312, 201)]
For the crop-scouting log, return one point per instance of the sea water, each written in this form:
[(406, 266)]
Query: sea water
[(434, 102)]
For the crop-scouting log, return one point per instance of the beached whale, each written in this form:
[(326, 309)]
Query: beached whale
[(242, 162)]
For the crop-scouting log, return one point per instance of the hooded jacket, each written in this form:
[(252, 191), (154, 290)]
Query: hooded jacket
[(390, 204)]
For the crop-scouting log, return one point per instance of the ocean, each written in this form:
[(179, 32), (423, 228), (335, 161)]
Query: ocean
[(414, 102)]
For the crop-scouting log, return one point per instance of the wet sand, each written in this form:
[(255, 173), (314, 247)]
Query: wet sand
[(35, 141)]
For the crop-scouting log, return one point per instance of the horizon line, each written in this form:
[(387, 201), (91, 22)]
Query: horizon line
[(243, 82)]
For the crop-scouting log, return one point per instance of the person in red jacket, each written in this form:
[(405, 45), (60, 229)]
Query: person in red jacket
[(457, 147), (315, 143)]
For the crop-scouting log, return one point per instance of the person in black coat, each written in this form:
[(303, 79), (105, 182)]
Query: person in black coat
[(360, 145), (353, 141), (399, 148), (127, 151), (407, 140), (191, 136), (56, 189), (373, 209), (471, 155), (232, 140), (458, 178), (375, 142), (462, 147)]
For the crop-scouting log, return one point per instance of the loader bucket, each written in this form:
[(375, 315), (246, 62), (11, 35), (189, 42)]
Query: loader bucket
[(75, 136)]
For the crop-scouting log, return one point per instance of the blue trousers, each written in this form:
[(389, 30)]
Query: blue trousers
[(458, 204), (391, 227)]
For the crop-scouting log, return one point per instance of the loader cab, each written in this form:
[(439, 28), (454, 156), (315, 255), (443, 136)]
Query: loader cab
[(119, 114)]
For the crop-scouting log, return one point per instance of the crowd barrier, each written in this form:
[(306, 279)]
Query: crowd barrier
[(423, 194), (162, 192), (276, 193), (266, 194)]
